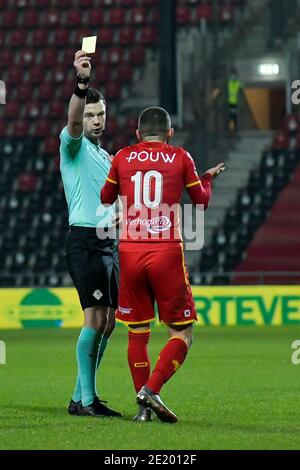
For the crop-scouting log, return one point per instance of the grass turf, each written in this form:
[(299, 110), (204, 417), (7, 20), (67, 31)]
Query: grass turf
[(237, 390)]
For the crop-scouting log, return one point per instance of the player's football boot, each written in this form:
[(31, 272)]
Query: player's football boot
[(144, 415), (74, 408), (98, 410), (151, 400)]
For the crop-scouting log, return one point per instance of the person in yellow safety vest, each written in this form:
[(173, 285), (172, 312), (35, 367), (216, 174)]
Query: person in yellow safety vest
[(234, 87)]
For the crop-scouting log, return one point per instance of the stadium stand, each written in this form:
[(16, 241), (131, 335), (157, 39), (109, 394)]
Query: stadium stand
[(39, 39), (263, 220)]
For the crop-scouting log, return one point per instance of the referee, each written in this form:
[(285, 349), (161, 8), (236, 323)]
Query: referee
[(93, 263)]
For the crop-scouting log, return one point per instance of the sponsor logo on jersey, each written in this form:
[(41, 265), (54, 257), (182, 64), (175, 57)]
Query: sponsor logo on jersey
[(125, 310), (154, 225), (151, 156)]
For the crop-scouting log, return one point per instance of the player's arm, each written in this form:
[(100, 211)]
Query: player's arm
[(110, 191), (201, 192), (83, 68), (199, 189)]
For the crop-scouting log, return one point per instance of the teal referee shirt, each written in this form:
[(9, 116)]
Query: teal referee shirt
[(84, 168)]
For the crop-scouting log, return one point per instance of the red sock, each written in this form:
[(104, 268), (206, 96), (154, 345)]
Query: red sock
[(170, 359), (138, 358)]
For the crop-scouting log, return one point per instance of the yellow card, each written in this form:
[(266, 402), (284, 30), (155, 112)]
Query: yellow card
[(89, 44)]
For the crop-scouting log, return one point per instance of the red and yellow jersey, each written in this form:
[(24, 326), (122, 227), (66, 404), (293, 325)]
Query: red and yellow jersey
[(150, 178)]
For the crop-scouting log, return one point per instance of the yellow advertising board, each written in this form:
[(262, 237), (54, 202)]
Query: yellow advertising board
[(230, 305)]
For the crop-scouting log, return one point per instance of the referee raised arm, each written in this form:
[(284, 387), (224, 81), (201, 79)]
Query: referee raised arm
[(93, 263)]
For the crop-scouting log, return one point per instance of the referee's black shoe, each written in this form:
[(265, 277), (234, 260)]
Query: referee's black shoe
[(151, 400), (98, 410), (74, 408)]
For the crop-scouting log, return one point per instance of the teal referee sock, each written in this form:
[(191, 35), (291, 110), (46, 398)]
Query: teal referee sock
[(101, 349), (86, 352), (102, 346)]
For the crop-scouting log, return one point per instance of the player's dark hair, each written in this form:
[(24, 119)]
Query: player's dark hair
[(154, 122), (94, 96)]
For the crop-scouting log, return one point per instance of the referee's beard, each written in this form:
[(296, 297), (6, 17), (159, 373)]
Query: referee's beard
[(94, 135)]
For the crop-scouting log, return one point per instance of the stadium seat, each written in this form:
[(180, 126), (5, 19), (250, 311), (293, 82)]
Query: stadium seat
[(103, 75), (42, 4), (66, 90), (3, 37), (46, 91), (42, 128), (14, 74), (226, 13), (74, 18), (12, 110), (51, 146), (40, 37), (27, 57), (137, 55), (280, 141), (115, 55), (63, 4), (129, 3), (106, 36), (36, 74), (27, 182), (117, 16), (20, 129), (112, 126), (138, 16), (183, 15), (62, 38), (30, 19), (125, 72), (8, 19), (85, 4), (51, 19), (6, 58), (18, 38), (3, 130), (149, 36), (95, 18), (291, 124), (113, 90), (24, 91), (57, 110), (108, 3), (58, 74), (33, 110), (127, 36), (204, 12)]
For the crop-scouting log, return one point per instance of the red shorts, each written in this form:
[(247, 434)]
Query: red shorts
[(149, 276)]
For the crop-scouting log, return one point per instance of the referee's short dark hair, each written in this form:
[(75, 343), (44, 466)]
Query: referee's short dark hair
[(154, 122), (94, 96)]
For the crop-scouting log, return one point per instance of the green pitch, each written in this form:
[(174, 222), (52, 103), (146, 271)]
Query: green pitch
[(237, 390)]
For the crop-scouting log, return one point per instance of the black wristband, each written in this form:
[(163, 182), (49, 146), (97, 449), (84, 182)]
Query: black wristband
[(85, 81), (81, 93)]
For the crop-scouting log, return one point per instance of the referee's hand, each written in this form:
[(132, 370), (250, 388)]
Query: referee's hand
[(82, 64)]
